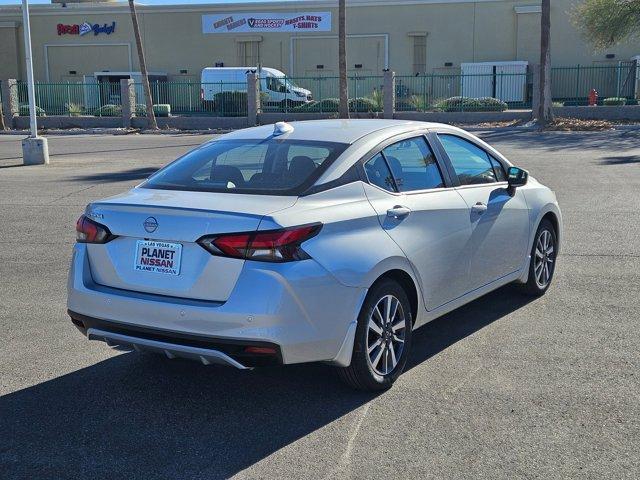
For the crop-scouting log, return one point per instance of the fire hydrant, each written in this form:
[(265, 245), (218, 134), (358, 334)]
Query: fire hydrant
[(593, 97)]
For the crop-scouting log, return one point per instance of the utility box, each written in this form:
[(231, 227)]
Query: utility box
[(506, 81)]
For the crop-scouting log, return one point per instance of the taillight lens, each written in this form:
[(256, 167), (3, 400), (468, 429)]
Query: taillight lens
[(88, 231), (282, 245)]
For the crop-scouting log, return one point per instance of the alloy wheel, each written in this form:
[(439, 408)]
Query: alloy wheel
[(386, 334), (544, 258)]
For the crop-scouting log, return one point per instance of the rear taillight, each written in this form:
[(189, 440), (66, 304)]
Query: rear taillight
[(88, 231), (269, 246)]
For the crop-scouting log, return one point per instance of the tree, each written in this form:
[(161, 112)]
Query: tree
[(151, 118), (545, 112), (343, 110), (607, 22)]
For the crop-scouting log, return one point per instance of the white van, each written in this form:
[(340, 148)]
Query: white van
[(273, 83)]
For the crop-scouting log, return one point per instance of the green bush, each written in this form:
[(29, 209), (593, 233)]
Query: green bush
[(108, 110), (230, 104), (377, 96), (363, 105), (23, 111), (632, 101), (328, 105), (484, 104), (159, 110), (405, 105), (614, 101), (73, 109)]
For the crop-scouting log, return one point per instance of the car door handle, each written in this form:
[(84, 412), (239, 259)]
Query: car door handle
[(398, 212), (479, 208)]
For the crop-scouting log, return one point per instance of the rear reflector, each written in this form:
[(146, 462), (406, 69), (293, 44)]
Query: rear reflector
[(260, 350), (282, 245)]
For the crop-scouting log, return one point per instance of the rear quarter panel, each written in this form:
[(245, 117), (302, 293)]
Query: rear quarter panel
[(352, 246)]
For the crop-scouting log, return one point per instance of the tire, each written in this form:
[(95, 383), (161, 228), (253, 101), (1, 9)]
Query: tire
[(540, 279), (378, 371)]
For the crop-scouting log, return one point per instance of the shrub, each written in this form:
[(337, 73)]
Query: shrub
[(404, 105), (23, 111), (377, 97), (327, 105), (614, 101), (73, 109), (632, 101), (108, 110), (363, 105), (484, 104), (332, 105), (159, 110), (230, 104)]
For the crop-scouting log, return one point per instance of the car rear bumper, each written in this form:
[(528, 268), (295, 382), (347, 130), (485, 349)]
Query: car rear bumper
[(297, 308)]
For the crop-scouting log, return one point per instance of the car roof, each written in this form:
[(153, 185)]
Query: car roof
[(335, 130)]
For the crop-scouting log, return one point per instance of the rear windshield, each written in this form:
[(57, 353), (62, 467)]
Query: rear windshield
[(271, 166)]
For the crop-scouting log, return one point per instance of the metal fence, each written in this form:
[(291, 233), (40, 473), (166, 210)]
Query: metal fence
[(286, 94), (226, 99), (571, 85), (436, 92), (72, 99)]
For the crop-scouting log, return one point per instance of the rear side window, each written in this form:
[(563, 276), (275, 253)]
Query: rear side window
[(379, 174), (471, 163), (272, 166), (413, 165)]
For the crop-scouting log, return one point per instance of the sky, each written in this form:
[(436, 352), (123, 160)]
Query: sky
[(146, 2)]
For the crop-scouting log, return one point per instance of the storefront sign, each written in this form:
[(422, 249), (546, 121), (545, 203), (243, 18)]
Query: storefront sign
[(85, 28), (267, 22)]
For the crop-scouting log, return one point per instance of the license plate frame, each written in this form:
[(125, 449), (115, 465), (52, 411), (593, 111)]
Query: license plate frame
[(155, 256)]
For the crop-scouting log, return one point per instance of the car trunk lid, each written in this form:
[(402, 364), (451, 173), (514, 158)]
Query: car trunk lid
[(167, 224)]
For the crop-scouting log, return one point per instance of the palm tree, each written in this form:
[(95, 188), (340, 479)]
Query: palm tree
[(143, 68), (342, 59), (545, 112)]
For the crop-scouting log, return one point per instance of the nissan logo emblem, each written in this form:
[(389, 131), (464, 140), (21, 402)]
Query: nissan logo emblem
[(150, 224)]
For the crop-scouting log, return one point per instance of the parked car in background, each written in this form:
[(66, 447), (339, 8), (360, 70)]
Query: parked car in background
[(318, 241), (276, 89)]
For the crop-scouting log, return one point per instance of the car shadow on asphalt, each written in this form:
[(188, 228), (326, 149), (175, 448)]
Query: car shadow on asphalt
[(113, 177), (620, 160), (143, 416)]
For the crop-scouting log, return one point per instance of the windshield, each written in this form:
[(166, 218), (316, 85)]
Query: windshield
[(272, 166), (280, 84)]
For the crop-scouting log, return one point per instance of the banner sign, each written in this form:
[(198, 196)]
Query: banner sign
[(86, 27), (266, 22)]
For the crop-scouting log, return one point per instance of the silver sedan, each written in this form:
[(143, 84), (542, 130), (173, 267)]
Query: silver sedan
[(312, 241)]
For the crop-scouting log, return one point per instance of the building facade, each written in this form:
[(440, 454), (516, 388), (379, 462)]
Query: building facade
[(73, 41)]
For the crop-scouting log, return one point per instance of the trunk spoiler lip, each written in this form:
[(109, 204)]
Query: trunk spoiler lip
[(96, 205)]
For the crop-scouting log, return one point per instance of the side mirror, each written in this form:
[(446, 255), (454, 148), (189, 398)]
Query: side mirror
[(517, 177)]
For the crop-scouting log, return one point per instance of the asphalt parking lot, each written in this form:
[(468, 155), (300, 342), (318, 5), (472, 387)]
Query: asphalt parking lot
[(502, 388)]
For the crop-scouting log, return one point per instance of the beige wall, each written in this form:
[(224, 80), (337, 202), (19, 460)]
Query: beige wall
[(456, 32)]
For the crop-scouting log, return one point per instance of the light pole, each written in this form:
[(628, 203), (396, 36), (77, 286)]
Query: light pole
[(35, 150)]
